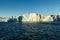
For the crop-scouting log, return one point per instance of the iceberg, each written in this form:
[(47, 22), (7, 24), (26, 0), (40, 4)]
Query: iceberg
[(31, 18)]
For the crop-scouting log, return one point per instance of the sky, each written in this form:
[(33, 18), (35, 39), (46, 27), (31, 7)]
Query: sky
[(19, 7)]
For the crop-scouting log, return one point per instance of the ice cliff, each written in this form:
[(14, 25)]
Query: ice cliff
[(36, 18), (32, 17)]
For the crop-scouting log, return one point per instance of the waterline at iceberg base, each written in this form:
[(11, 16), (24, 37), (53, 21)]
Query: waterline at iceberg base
[(29, 31)]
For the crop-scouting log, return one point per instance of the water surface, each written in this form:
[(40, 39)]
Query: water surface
[(29, 31)]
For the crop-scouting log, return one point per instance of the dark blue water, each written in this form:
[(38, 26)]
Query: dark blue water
[(29, 31)]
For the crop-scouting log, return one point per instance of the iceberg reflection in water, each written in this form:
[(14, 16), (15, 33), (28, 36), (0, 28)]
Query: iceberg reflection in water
[(29, 31)]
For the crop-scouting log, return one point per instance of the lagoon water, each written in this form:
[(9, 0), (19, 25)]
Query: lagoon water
[(29, 31)]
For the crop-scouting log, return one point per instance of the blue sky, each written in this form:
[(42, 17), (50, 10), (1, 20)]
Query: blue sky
[(18, 7)]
